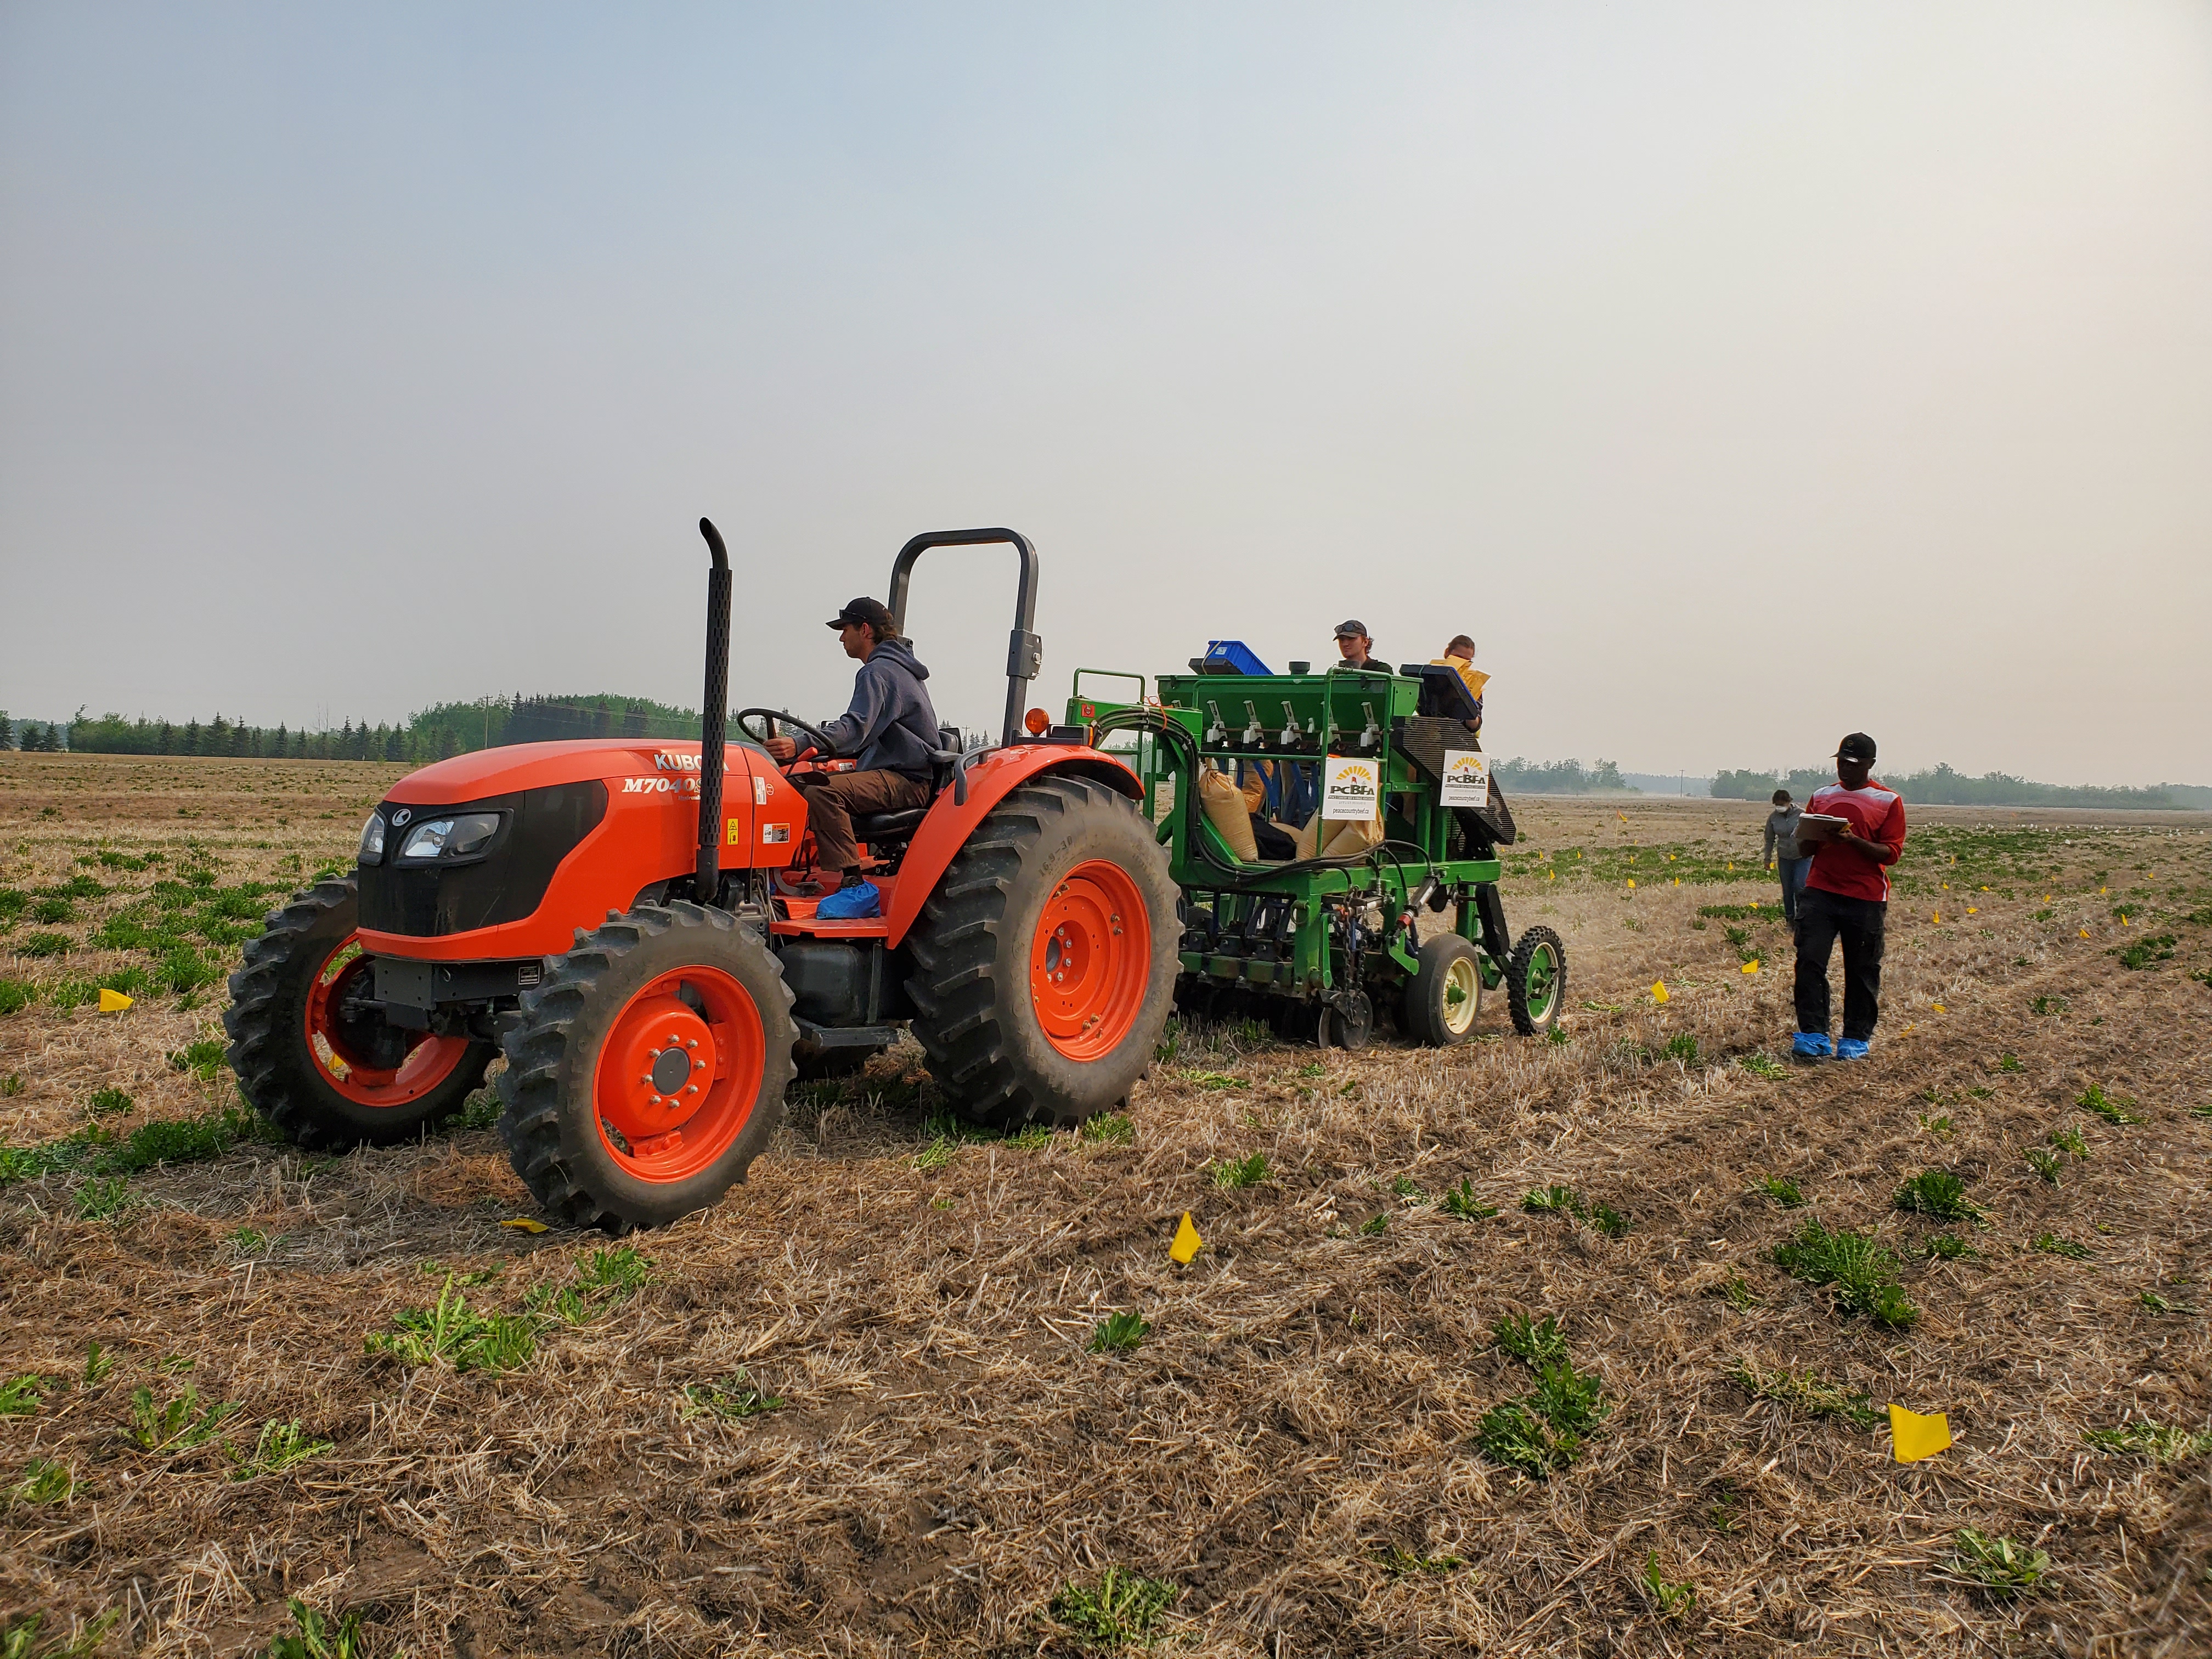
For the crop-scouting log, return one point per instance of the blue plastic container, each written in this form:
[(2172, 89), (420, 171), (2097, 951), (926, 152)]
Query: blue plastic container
[(1232, 656)]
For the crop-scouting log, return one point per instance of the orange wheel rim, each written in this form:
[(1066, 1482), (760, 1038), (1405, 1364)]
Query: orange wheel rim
[(336, 1038), (678, 1074), (1091, 959)]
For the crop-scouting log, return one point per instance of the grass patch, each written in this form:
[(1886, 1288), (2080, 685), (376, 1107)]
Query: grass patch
[(1939, 1194), (1947, 1246), (2159, 1304), (314, 1637), (1784, 1191), (2145, 952), (1239, 1173), (1807, 1392), (1682, 1047), (44, 945), (1997, 1563), (1861, 1272), (604, 1280), (2009, 1063), (1111, 1129), (19, 1395), (1119, 1606), (106, 1102), (178, 1425), (453, 1334), (19, 1637), (2142, 1438), (1530, 1340), (1461, 1202), (104, 1198), (2053, 1244), (2115, 1112), (736, 1398), (1765, 1065), (47, 1480), (1119, 1332), (1565, 1200), (2043, 1163), (1670, 1600), (2047, 1006), (282, 1446), (1375, 1224), (1546, 1429)]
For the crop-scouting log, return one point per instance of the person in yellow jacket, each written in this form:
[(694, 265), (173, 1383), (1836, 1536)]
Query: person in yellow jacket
[(1459, 657)]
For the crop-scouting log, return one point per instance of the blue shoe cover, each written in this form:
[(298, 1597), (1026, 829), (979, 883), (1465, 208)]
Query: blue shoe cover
[(850, 903), (1811, 1045), (1851, 1048)]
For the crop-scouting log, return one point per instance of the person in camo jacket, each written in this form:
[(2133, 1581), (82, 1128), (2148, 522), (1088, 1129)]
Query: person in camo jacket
[(1846, 896)]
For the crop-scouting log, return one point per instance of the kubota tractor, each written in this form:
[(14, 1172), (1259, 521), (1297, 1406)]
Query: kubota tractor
[(615, 916)]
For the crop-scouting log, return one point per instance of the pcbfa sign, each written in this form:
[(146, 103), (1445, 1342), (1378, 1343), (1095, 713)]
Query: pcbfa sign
[(1466, 778), (1351, 789)]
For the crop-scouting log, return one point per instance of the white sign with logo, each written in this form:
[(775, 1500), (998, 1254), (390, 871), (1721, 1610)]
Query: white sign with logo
[(1351, 788), (1466, 778)]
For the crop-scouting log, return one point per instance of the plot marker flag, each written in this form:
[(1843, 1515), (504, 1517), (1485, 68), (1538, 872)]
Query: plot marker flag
[(522, 1223), (113, 1002), (1186, 1241), (1751, 967), (1913, 1436), (1658, 990)]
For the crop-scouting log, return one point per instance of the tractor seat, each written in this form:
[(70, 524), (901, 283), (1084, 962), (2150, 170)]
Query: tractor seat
[(881, 829)]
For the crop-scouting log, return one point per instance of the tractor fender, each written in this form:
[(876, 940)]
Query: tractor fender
[(950, 824)]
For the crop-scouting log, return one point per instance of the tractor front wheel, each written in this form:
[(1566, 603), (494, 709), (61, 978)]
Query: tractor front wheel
[(647, 1071), (312, 1049), (1045, 961)]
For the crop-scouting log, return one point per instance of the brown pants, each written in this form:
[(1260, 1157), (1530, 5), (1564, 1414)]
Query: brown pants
[(832, 798)]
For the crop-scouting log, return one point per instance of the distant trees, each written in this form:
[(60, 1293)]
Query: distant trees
[(1567, 777), (435, 733), (1943, 785)]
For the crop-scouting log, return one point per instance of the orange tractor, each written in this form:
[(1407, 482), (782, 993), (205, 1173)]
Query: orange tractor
[(615, 917)]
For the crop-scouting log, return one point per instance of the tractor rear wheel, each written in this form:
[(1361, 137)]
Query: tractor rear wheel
[(314, 1055), (1445, 992), (647, 1071), (1045, 961), (1536, 983)]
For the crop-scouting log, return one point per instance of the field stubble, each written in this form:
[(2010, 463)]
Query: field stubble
[(857, 1408)]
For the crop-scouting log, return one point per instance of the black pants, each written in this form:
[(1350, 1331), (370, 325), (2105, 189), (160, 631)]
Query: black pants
[(1823, 918)]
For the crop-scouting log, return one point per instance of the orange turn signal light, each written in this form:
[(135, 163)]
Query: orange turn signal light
[(1037, 721)]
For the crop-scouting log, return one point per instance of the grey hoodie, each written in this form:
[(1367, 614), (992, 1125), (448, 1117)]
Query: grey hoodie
[(1782, 833), (891, 723)]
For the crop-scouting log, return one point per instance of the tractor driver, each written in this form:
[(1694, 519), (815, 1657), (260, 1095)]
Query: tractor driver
[(890, 727), (1353, 648)]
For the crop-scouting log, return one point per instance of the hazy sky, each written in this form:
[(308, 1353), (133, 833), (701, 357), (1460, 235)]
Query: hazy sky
[(1737, 375)]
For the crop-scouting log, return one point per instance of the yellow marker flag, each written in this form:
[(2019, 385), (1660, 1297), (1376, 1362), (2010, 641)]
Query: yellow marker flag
[(1547, 875), (1754, 904), (1623, 817), (2124, 918), (522, 1223), (1913, 1436), (1632, 884), (2101, 892), (1972, 911), (1985, 887), (1939, 1008), (113, 1002), (1186, 1241), (1678, 881), (2085, 933), (1658, 990), (1939, 915), (1751, 967), (1946, 886)]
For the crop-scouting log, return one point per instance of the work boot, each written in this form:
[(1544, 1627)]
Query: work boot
[(1851, 1049), (1812, 1045)]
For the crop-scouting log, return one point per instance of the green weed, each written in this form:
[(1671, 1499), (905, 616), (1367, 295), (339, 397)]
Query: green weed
[(1461, 1202), (1119, 1332), (1406, 1187), (1404, 1563), (19, 1637), (318, 1639), (1682, 1047), (45, 1480), (106, 1102), (45, 945), (1938, 1126), (15, 995), (1738, 1291), (1242, 1172), (1997, 1563), (2145, 952), (12, 1085), (603, 1279), (1375, 1224), (453, 1334), (2009, 1063), (2044, 1163), (104, 1198), (1111, 1129), (2159, 1304), (1170, 1043), (1947, 1246), (2047, 1006), (1764, 1064), (2147, 1439), (281, 1447), (1862, 1273), (1807, 1392), (177, 1424), (1118, 1607), (2068, 1140), (480, 1110), (1213, 1079), (1551, 1200), (1526, 1340), (1668, 1600), (246, 1242), (1559, 1038), (98, 1363), (1546, 1429), (2115, 1112), (735, 1399), (1939, 1193), (181, 1141), (1784, 1191), (20, 1396), (2053, 1244), (1030, 1137), (1613, 1224)]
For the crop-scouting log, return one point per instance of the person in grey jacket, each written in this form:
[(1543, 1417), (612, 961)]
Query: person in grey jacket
[(891, 727), (1781, 847)]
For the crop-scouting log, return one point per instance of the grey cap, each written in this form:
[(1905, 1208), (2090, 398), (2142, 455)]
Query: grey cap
[(1351, 630)]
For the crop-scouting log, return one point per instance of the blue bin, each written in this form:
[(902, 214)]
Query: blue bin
[(1232, 656)]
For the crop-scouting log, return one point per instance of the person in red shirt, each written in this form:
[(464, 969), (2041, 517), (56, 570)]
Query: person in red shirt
[(1846, 896)]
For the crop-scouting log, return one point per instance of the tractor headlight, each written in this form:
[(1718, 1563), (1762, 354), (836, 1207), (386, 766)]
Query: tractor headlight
[(449, 838), (372, 839)]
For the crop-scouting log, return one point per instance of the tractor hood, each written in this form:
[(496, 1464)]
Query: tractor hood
[(515, 766)]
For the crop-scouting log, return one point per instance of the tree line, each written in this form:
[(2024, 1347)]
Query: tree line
[(1943, 785), (435, 733)]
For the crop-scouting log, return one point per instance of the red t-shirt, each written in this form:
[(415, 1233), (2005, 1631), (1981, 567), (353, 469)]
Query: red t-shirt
[(1876, 814)]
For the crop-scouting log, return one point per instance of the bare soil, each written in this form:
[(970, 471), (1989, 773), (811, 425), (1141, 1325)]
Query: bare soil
[(1293, 1444)]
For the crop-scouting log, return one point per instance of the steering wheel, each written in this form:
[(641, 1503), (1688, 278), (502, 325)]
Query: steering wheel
[(825, 749)]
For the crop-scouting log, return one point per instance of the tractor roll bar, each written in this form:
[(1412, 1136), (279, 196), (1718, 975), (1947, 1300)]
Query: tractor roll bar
[(707, 878), (1024, 650)]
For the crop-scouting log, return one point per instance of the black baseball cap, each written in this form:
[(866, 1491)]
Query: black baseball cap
[(1857, 747), (873, 612), (1351, 630)]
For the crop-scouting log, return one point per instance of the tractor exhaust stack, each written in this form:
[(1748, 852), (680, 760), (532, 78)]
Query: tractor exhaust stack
[(707, 881)]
